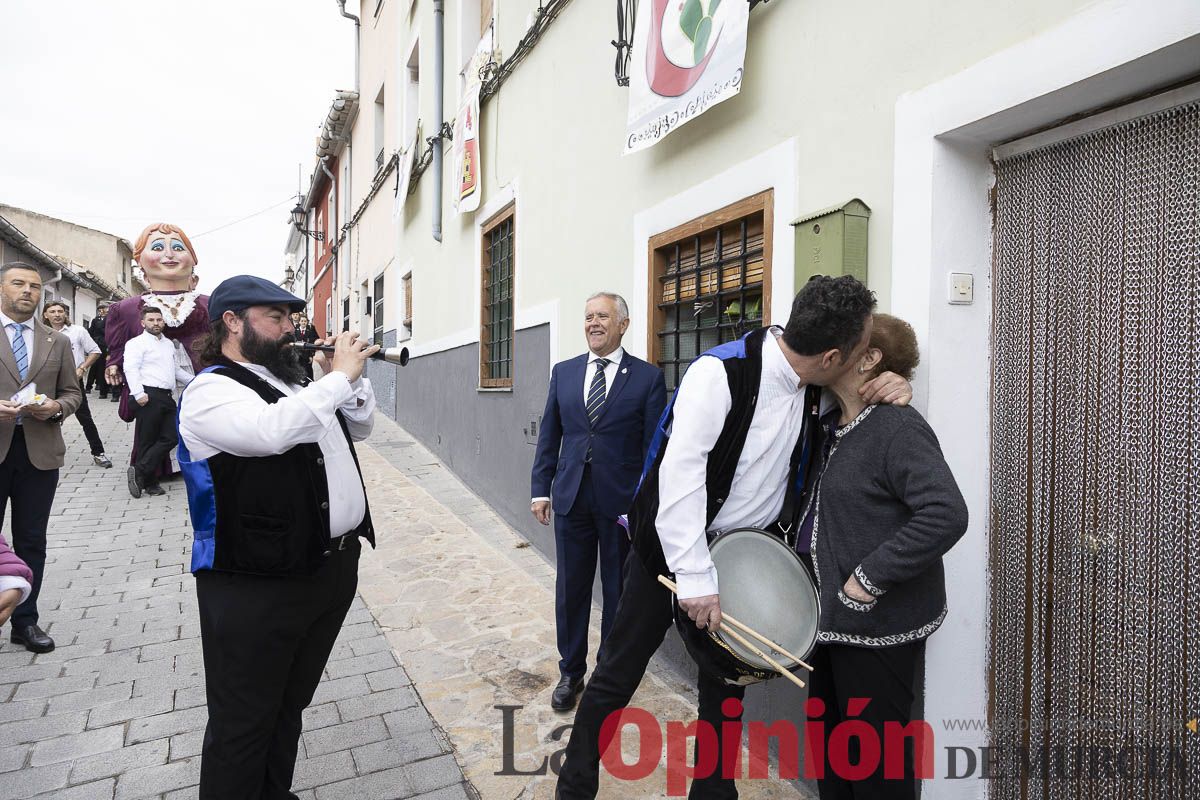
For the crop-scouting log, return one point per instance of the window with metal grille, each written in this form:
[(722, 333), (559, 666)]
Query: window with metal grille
[(496, 330), (710, 280), (408, 307), (346, 313), (377, 333)]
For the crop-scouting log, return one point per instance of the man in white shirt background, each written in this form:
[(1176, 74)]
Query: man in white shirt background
[(278, 507), (151, 370), (86, 353)]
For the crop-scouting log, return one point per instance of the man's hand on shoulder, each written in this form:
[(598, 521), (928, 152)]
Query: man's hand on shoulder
[(704, 611), (888, 388)]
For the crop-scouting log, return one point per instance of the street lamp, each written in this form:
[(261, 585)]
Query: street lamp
[(289, 271), (299, 217)]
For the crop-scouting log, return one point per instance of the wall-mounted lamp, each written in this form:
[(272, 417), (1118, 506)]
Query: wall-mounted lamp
[(299, 217)]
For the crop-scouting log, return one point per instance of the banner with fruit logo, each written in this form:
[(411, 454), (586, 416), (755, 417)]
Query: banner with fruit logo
[(688, 56)]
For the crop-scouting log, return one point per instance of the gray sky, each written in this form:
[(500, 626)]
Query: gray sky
[(118, 113)]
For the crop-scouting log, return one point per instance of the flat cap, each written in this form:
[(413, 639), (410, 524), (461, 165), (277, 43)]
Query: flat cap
[(242, 291)]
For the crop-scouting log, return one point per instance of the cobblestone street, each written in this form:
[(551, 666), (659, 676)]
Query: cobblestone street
[(117, 709)]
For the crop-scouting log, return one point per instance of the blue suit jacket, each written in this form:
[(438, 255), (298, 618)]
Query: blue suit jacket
[(620, 440)]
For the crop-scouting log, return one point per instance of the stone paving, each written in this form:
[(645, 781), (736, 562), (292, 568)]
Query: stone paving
[(117, 709), (469, 606)]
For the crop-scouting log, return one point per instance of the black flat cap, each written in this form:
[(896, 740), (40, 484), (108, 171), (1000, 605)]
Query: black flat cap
[(242, 291)]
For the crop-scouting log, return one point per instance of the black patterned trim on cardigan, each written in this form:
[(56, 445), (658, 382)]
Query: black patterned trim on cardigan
[(854, 605), (866, 584), (883, 641)]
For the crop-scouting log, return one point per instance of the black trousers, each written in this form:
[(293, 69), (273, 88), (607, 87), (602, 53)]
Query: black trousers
[(643, 618), (154, 432), (95, 377), (266, 641), (84, 415), (31, 491), (579, 535), (887, 677)]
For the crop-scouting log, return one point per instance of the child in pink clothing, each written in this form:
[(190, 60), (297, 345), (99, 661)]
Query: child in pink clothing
[(16, 581)]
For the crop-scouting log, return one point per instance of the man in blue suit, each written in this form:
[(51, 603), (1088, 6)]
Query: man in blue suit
[(600, 415)]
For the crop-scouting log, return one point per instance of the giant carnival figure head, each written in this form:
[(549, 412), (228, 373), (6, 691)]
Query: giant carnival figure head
[(166, 257)]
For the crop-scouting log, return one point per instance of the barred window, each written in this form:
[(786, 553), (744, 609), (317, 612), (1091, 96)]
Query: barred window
[(346, 313), (496, 333), (710, 280), (377, 332)]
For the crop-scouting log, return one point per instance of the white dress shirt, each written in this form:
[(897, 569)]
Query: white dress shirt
[(220, 415), (82, 343), (610, 371), (589, 374), (760, 480), (150, 361), (26, 333)]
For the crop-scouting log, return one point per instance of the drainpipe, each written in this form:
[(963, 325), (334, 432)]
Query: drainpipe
[(439, 42), (357, 29)]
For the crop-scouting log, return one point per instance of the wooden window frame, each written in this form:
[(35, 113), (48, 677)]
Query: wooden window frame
[(656, 262), (508, 213)]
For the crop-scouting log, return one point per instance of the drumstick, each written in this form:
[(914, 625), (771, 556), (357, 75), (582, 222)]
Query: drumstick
[(665, 581), (782, 670)]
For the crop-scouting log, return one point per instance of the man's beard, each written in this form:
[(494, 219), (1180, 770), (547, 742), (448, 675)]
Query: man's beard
[(282, 361)]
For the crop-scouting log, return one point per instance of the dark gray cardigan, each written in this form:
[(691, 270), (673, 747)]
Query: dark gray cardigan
[(888, 508)]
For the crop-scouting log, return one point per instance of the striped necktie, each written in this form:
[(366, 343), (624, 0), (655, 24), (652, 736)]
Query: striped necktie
[(20, 352), (595, 397), (595, 400)]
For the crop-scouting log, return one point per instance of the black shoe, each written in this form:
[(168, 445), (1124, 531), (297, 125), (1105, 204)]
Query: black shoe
[(135, 482), (154, 490), (116, 398), (565, 693), (34, 638)]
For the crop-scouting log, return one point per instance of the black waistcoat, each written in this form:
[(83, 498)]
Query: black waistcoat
[(272, 512), (743, 371)]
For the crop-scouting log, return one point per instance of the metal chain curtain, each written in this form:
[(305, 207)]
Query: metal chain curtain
[(1095, 504)]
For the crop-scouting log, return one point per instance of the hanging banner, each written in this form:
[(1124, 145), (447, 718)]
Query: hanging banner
[(687, 56), (405, 167), (466, 151)]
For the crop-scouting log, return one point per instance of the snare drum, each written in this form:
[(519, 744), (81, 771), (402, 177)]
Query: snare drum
[(765, 585)]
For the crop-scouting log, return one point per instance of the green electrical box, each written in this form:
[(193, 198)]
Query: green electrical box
[(832, 241)]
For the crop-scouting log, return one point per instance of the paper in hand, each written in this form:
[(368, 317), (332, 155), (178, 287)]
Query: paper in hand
[(28, 396)]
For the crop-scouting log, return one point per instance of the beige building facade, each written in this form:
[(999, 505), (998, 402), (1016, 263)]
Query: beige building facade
[(901, 106)]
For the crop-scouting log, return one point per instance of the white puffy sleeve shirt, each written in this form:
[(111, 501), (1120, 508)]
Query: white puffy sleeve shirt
[(759, 484), (220, 415)]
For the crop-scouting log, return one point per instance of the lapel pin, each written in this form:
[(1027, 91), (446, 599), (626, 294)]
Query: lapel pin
[(623, 371)]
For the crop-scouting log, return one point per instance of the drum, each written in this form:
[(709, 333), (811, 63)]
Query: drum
[(764, 584)]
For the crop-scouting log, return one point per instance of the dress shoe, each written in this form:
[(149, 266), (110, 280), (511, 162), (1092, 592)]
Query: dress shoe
[(33, 638), (135, 482), (116, 398), (565, 693), (155, 490)]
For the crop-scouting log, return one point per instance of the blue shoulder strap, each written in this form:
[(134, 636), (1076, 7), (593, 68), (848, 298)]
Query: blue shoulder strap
[(726, 351)]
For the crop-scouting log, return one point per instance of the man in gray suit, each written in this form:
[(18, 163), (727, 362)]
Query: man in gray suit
[(38, 389)]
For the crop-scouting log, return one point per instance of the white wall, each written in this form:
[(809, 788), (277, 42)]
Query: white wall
[(943, 136)]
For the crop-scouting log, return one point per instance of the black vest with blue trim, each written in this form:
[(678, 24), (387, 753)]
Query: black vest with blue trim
[(742, 360), (269, 515)]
